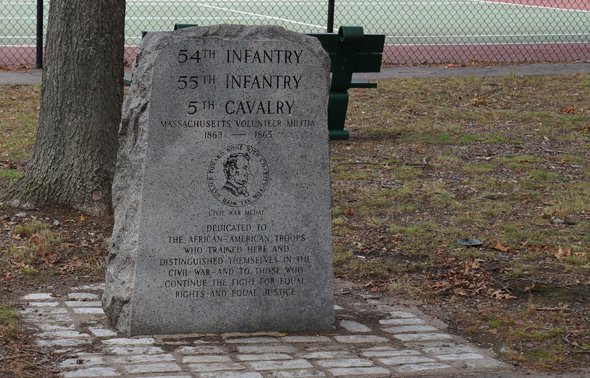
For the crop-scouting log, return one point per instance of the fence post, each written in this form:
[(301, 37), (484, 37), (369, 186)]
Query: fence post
[(330, 28), (39, 34)]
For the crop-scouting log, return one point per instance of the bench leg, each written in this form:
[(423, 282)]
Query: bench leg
[(337, 106)]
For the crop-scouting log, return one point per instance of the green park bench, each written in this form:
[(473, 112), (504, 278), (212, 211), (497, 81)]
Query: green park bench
[(350, 51)]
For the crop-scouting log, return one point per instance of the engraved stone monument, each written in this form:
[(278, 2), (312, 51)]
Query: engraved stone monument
[(222, 192)]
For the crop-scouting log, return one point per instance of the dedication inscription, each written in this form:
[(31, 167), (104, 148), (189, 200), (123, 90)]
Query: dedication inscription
[(222, 195)]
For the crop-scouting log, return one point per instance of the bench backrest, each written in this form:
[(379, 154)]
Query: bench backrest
[(368, 50), (182, 26), (351, 51)]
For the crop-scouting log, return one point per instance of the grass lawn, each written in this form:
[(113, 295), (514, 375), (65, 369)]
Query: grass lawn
[(430, 162)]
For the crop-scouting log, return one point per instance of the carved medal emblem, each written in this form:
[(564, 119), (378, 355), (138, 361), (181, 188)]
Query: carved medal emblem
[(237, 175)]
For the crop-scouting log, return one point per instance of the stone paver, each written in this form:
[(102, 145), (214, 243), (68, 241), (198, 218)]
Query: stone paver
[(278, 365), (252, 340), (55, 327), (82, 361), (102, 332), (45, 311), (346, 362), (401, 314), (402, 321), (205, 349), (305, 373), (422, 336), (44, 304), (365, 371), (414, 368), (83, 297), (402, 343), (216, 366), (143, 358), (151, 368), (228, 374), (267, 349), (38, 297), (390, 353), (326, 354), (460, 357), (306, 339), (411, 328), (88, 310), (263, 357), (92, 372), (355, 327), (205, 358), (449, 349), (61, 334), (134, 350), (47, 319), (401, 360), (360, 339), (83, 304), (126, 341), (60, 342)]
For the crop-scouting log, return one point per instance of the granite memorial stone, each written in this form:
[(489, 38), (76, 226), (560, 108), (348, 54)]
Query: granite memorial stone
[(222, 192)]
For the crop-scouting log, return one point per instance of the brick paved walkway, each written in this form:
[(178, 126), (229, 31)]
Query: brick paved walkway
[(371, 339)]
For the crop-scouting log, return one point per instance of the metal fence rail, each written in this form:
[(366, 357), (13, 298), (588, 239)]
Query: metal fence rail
[(417, 31)]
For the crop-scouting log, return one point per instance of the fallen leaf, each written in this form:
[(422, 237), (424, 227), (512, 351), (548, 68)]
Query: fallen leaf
[(501, 248), (460, 292), (529, 288), (51, 259), (561, 253), (474, 264), (499, 294), (568, 110)]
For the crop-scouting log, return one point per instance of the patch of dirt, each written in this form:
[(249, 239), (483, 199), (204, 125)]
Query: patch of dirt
[(82, 244)]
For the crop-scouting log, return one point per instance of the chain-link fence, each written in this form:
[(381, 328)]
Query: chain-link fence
[(417, 31)]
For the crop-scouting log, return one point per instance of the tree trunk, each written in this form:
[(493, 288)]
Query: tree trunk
[(73, 161)]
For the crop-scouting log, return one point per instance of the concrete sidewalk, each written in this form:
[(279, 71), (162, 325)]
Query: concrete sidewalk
[(503, 70), (31, 77)]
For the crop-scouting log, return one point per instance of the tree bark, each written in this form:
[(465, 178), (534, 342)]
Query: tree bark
[(73, 160)]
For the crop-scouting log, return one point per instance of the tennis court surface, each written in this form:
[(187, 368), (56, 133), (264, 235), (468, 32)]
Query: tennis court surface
[(417, 31)]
